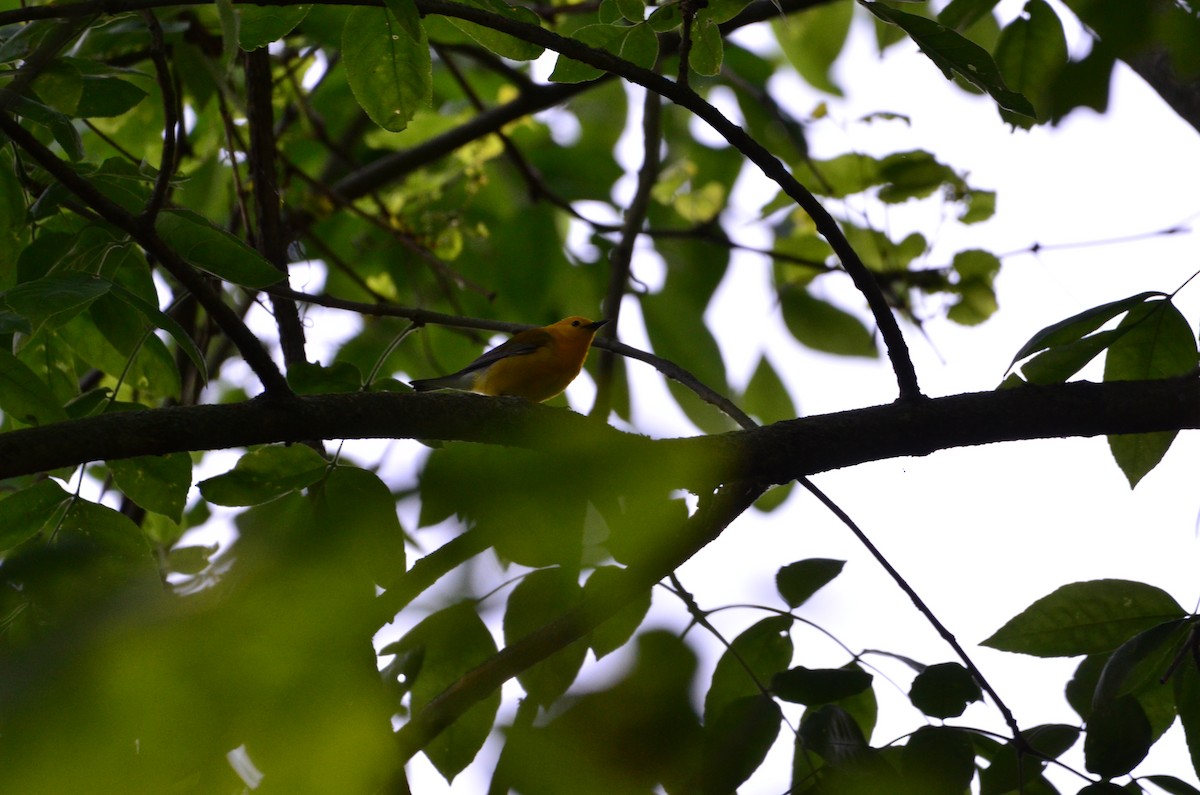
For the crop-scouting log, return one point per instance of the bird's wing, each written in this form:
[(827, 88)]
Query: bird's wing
[(522, 344)]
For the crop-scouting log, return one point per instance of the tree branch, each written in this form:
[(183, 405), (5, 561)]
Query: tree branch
[(771, 454)]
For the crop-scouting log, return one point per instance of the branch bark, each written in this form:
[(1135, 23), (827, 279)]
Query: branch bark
[(774, 453)]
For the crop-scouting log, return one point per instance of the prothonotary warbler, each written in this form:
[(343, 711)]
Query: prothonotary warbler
[(536, 364)]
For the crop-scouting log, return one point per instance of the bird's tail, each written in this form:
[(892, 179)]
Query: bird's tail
[(455, 381)]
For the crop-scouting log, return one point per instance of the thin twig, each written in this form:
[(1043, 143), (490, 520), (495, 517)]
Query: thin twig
[(923, 608)]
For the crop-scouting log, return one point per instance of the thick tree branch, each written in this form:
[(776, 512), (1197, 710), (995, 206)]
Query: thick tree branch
[(774, 453)]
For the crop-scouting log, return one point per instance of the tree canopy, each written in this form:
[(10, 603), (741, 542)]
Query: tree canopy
[(234, 232)]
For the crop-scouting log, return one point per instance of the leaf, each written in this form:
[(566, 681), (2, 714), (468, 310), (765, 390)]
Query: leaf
[(766, 397), (798, 581), (832, 733), (361, 509), (162, 320), (1187, 702), (708, 48), (59, 125), (538, 599), (961, 14), (944, 690), (26, 512), (1085, 618), (1013, 770), (1118, 737), (156, 483), (264, 474), (938, 760), (1031, 52), (55, 298), (1157, 343), (388, 66), (1077, 326), (757, 654), (615, 632), (736, 743), (25, 397), (258, 26), (214, 250), (1055, 365), (812, 42), (807, 686), (955, 54), (1172, 785), (309, 378), (635, 43), (501, 44), (823, 326), (1140, 661), (450, 643)]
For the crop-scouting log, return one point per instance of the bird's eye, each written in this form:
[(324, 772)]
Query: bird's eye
[(574, 322)]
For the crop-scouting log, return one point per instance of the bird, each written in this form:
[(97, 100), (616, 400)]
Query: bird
[(535, 364)]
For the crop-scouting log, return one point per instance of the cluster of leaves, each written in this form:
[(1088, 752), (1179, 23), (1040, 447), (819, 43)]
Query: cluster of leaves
[(163, 166)]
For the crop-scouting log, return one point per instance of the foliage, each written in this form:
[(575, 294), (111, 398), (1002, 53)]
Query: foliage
[(169, 169)]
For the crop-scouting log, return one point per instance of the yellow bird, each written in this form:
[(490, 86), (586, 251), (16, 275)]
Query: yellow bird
[(536, 364)]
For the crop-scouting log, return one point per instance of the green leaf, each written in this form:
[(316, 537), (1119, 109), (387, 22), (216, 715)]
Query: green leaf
[(1187, 702), (386, 55), (450, 643), (798, 581), (309, 378), (955, 54), (1013, 770), (944, 690), (635, 43), (1085, 618), (112, 534), (162, 320), (258, 26), (708, 49), (112, 339), (736, 743), (157, 483), (1172, 785), (962, 14), (812, 42), (766, 397), (360, 508), (938, 760), (501, 44), (616, 631), (1139, 662), (56, 297), (1031, 52), (25, 397), (1076, 326), (28, 511), (1158, 343), (823, 326), (538, 599), (1057, 364), (214, 250), (833, 734), (265, 474), (807, 686), (1118, 737), (58, 124), (746, 667)]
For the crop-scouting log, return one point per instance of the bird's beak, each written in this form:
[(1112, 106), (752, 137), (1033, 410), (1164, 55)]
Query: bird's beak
[(597, 324)]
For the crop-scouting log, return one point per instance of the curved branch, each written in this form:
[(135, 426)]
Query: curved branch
[(770, 165)]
